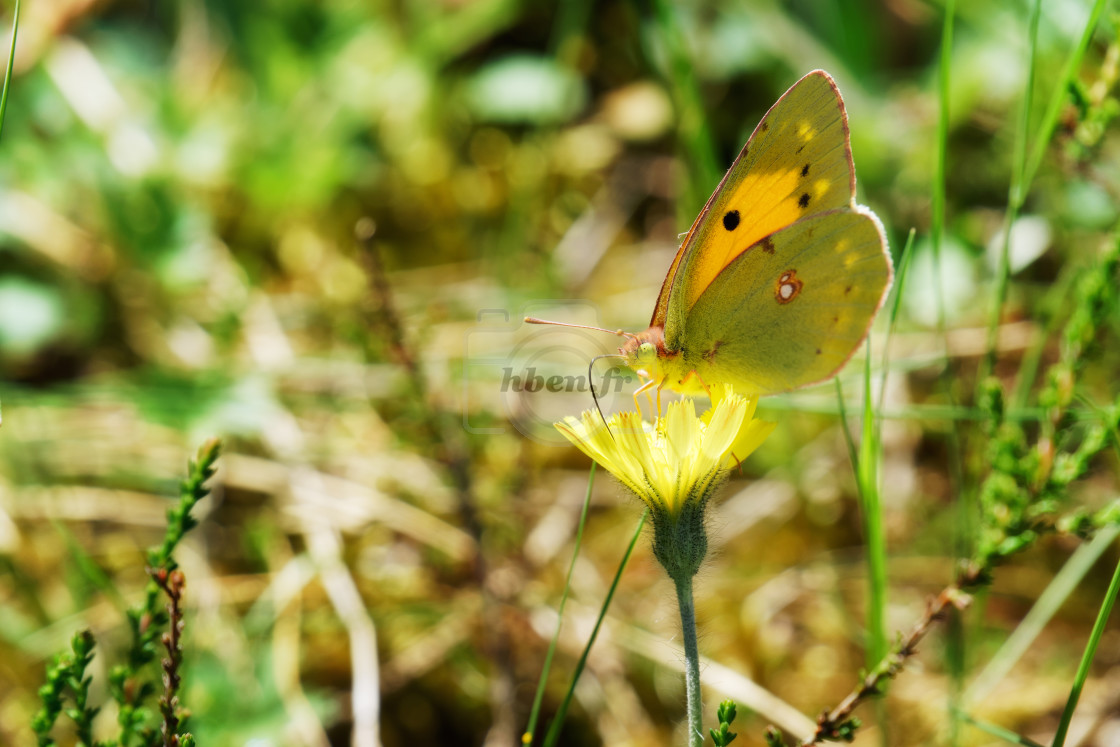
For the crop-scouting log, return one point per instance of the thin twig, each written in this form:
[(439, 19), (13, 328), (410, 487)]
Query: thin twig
[(325, 547), (456, 458), (836, 724), (172, 584)]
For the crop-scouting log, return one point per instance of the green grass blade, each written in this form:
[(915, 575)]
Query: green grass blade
[(999, 732), (531, 728), (865, 463), (694, 132), (921, 412), (571, 21), (8, 71), (1029, 367), (867, 472), (1087, 658), (1049, 602), (937, 232), (88, 567), (843, 415), (937, 206), (1060, 95), (964, 523), (1016, 194), (558, 721), (896, 304), (1052, 306)]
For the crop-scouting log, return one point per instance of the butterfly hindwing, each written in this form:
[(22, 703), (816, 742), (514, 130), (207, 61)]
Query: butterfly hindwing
[(791, 309), (797, 162)]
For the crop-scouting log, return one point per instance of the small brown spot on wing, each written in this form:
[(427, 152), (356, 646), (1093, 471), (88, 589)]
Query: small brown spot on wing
[(710, 355), (788, 287), (767, 244), (818, 351), (805, 170), (847, 290), (763, 126)]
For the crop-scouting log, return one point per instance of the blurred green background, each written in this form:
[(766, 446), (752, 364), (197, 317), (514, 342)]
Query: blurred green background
[(311, 227)]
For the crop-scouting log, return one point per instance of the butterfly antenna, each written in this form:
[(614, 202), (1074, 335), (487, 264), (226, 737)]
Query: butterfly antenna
[(591, 385), (619, 332)]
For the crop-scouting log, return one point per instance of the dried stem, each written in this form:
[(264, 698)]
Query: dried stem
[(837, 724), (455, 455)]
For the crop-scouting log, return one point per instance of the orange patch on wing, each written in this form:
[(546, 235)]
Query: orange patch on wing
[(788, 287)]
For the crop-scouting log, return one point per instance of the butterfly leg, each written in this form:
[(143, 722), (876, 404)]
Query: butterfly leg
[(692, 374), (704, 384), (643, 389)]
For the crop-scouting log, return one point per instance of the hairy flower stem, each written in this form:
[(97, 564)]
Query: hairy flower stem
[(691, 660), (675, 466)]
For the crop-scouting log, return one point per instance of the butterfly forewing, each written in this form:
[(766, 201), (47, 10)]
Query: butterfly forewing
[(798, 162)]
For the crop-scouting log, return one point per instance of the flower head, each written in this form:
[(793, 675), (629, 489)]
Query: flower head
[(674, 464)]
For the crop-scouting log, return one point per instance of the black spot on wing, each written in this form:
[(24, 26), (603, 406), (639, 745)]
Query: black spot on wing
[(805, 170), (731, 220), (803, 200)]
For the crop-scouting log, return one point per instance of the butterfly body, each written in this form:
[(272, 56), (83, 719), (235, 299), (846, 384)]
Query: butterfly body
[(776, 283)]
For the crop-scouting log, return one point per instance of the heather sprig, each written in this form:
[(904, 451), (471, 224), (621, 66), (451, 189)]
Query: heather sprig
[(723, 736), (66, 675), (1030, 477), (131, 683)]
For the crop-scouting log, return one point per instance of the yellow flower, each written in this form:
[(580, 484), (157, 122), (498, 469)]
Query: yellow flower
[(674, 464), (680, 458)]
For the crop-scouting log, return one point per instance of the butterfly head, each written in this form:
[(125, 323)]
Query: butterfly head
[(644, 352)]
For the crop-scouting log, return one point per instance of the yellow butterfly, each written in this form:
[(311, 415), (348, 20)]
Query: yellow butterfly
[(776, 283)]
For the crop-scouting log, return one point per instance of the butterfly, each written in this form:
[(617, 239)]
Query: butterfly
[(777, 281)]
